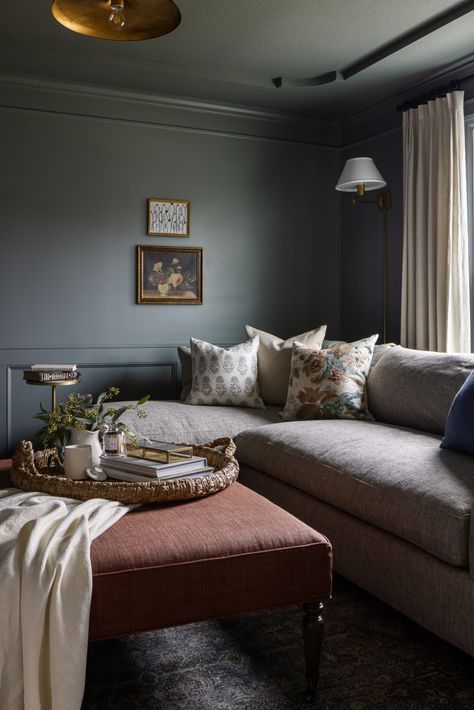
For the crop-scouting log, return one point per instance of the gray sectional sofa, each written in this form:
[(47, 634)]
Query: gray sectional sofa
[(395, 506)]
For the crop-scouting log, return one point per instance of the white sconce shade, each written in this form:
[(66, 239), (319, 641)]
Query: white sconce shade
[(360, 172)]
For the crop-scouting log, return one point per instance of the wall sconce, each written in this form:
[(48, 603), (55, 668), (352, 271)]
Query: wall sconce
[(360, 175)]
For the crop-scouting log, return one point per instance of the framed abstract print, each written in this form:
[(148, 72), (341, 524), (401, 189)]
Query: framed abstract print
[(168, 218)]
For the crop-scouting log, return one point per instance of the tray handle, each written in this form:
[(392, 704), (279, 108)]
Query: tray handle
[(224, 444)]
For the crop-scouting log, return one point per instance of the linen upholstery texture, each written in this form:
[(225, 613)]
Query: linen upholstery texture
[(328, 384), (397, 479), (459, 434), (379, 352), (436, 595), (177, 422), (225, 376), (226, 554), (274, 360), (415, 388)]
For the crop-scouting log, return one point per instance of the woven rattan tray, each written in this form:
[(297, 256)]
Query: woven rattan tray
[(40, 471)]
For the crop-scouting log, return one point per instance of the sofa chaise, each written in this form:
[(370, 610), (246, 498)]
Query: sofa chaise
[(396, 507)]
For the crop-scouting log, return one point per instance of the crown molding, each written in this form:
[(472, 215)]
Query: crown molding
[(461, 70), (273, 119)]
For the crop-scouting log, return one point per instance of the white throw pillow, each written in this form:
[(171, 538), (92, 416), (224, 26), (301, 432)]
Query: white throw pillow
[(274, 360), (225, 376)]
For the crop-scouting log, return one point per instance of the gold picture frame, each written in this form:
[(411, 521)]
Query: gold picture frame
[(169, 275), (168, 218)]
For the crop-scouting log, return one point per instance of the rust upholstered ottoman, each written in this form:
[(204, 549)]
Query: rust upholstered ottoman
[(230, 553)]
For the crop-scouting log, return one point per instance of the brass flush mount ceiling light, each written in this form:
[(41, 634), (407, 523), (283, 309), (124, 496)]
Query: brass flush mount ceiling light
[(118, 19)]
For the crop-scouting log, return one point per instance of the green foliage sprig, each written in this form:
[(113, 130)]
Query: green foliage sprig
[(80, 412)]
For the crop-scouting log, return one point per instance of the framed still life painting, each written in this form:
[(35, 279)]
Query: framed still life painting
[(169, 275), (168, 218)]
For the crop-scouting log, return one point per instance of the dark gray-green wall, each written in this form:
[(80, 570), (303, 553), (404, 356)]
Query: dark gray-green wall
[(78, 166), (362, 244)]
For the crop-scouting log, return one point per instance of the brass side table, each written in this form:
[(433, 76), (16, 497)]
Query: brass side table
[(53, 385)]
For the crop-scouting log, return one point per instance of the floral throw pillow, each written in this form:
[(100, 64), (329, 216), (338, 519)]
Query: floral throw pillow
[(330, 383), (225, 376)]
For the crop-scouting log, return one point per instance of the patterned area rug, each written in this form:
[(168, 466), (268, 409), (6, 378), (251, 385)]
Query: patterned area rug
[(373, 657)]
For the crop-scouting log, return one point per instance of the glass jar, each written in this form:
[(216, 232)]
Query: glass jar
[(114, 442)]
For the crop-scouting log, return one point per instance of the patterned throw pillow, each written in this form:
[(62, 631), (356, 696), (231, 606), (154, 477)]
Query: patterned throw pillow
[(225, 376), (330, 384)]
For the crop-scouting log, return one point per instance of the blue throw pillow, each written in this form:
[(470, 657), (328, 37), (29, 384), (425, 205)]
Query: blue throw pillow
[(459, 430)]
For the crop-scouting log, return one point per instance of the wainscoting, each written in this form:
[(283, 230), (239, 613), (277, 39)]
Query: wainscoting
[(137, 371)]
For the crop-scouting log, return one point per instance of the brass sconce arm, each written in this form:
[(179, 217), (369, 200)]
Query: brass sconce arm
[(383, 201)]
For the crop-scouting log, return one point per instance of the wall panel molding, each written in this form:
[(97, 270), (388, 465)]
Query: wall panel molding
[(101, 346), (156, 373)]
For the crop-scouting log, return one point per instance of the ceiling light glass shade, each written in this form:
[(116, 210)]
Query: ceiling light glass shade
[(142, 19), (360, 171)]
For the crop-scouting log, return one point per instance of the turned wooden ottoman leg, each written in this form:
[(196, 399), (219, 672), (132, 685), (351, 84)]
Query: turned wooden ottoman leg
[(313, 625)]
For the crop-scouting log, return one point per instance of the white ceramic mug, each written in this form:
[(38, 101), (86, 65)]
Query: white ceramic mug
[(77, 458)]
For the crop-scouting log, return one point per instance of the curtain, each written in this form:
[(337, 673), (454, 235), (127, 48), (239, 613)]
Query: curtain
[(435, 278)]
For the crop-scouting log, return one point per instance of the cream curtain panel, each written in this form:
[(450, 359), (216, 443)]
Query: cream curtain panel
[(435, 279)]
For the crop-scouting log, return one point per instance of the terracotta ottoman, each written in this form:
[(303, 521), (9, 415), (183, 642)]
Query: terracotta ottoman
[(230, 553)]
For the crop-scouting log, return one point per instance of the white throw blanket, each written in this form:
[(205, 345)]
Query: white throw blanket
[(45, 594)]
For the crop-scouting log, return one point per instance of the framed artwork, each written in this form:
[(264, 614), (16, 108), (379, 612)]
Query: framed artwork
[(169, 275), (168, 218)]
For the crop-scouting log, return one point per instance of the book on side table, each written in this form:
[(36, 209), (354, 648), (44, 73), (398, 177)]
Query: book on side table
[(50, 376)]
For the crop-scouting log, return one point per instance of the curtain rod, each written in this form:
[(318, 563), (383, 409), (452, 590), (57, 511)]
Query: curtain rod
[(430, 95)]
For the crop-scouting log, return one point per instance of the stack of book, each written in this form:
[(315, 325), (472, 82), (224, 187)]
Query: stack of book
[(129, 468), (51, 373)]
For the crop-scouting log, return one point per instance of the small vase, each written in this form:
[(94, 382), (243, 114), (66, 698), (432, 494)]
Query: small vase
[(83, 436), (164, 289)]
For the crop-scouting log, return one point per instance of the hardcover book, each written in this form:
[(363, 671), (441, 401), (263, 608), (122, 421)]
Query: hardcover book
[(50, 375), (122, 475), (46, 367), (152, 469)]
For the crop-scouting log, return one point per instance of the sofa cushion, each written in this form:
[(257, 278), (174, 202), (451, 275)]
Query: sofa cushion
[(459, 434), (329, 384), (178, 422), (396, 479), (225, 376), (274, 360), (415, 388), (379, 351)]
